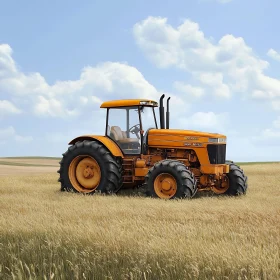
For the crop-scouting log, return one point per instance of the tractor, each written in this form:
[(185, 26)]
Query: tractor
[(167, 163)]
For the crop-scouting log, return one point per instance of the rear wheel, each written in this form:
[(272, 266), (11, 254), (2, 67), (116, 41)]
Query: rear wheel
[(237, 180), (88, 167), (170, 179)]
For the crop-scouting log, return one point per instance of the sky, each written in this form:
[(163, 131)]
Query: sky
[(219, 60)]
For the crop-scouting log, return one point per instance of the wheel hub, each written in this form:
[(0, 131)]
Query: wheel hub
[(165, 185), (222, 186), (84, 174), (88, 172)]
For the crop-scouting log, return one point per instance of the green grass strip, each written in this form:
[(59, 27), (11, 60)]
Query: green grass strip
[(25, 164), (258, 162), (35, 157)]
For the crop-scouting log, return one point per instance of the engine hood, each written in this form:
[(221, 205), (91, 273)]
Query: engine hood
[(183, 138), (179, 132)]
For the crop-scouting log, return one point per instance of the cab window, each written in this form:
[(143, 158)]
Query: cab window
[(124, 128)]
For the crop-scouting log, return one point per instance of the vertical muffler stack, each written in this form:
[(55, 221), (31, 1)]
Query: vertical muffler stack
[(161, 112), (167, 113)]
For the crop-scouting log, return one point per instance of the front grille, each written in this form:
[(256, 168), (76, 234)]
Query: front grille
[(217, 153)]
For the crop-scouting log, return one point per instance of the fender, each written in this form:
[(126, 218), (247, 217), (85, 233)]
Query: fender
[(107, 142)]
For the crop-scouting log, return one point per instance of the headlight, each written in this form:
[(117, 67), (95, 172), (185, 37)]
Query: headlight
[(217, 140)]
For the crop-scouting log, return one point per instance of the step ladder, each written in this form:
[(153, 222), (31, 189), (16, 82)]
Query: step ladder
[(128, 167)]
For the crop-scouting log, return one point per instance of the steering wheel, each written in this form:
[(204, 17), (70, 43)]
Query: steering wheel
[(135, 130)]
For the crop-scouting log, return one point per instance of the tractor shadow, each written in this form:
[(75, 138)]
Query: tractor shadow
[(141, 192), (132, 192)]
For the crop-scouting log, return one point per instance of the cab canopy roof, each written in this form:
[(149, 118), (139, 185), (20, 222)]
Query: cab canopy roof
[(128, 103)]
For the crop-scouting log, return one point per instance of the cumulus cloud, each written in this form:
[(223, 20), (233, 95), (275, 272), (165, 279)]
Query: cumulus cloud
[(7, 64), (206, 120), (189, 89), (215, 82), (8, 108), (52, 107), (274, 54), (9, 134), (69, 98), (226, 67), (267, 136)]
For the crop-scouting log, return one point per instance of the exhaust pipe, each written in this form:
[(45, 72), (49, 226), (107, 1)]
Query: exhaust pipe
[(167, 113), (161, 112)]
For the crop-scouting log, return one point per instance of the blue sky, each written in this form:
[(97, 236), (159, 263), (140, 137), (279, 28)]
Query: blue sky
[(218, 60)]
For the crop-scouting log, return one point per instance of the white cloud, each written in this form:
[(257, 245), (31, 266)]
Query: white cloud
[(273, 54), (209, 119), (9, 134), (223, 68), (69, 98), (215, 81), (52, 107), (64, 99), (206, 120), (189, 89), (267, 136), (7, 64), (7, 108)]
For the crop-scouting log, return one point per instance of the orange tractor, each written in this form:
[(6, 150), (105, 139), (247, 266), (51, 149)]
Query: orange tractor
[(169, 163)]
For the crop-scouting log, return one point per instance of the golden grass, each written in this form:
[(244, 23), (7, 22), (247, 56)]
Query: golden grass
[(46, 234)]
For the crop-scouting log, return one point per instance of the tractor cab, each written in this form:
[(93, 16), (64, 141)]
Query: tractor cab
[(128, 122)]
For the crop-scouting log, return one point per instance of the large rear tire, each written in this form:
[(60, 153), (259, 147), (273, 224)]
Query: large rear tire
[(88, 167), (238, 182), (169, 179)]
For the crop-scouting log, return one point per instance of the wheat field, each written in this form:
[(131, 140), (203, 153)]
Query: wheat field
[(46, 234)]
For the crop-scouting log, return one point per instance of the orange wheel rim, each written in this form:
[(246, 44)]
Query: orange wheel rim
[(84, 174), (222, 187), (165, 185)]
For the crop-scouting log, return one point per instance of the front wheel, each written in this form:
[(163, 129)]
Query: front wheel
[(238, 182), (170, 179)]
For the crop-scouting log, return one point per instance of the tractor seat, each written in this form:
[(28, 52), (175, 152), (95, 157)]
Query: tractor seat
[(121, 137)]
